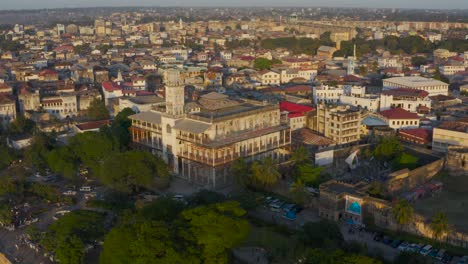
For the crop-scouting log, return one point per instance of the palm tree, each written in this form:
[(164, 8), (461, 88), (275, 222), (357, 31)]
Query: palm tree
[(299, 156), (265, 173), (403, 212), (439, 225), (241, 172), (298, 191)]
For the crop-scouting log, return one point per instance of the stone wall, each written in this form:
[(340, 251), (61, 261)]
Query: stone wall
[(457, 161), (405, 179)]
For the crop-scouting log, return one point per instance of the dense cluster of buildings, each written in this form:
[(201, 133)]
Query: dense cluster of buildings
[(200, 102)]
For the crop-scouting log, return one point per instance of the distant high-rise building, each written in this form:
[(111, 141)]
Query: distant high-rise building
[(60, 29), (351, 60)]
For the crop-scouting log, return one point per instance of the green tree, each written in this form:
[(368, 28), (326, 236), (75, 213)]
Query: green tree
[(206, 197), (418, 61), (120, 128), (298, 192), (265, 173), (264, 64), (63, 160), (8, 156), (388, 148), (440, 77), (68, 235), (439, 225), (163, 209), (147, 242), (403, 212), (70, 250), (6, 215), (411, 257), (240, 169), (97, 110), (323, 234), (321, 256), (216, 229), (300, 156), (128, 171), (21, 125), (310, 174), (92, 148), (36, 154)]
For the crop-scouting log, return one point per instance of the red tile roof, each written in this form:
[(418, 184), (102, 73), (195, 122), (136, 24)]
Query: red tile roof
[(93, 125), (298, 88), (111, 86), (399, 113), (419, 133)]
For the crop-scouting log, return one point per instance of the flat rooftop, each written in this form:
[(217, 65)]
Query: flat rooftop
[(415, 81)]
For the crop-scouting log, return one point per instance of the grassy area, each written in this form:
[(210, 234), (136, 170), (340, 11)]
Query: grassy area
[(452, 201)]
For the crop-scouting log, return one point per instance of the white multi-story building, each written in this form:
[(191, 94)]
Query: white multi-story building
[(432, 86), (451, 69), (368, 102), (409, 99), (450, 133), (267, 77), (327, 94), (389, 62), (398, 118), (62, 106), (7, 110), (200, 146)]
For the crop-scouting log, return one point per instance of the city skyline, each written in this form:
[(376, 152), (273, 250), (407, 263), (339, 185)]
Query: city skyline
[(426, 4)]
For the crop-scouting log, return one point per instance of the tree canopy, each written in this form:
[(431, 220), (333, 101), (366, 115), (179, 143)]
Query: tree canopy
[(97, 110), (68, 235)]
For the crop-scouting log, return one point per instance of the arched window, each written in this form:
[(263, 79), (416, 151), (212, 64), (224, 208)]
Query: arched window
[(168, 128)]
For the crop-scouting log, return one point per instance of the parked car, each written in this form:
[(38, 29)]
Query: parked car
[(290, 215), (447, 258), (387, 240), (433, 253), (463, 260), (440, 254), (274, 207), (395, 243), (425, 250), (403, 246), (414, 248)]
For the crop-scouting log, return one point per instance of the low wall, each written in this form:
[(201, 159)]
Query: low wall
[(404, 180)]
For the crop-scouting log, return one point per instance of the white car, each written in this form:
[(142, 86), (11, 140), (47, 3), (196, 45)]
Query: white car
[(403, 246), (425, 250)]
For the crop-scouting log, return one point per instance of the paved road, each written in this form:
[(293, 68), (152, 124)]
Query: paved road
[(367, 239), (311, 215)]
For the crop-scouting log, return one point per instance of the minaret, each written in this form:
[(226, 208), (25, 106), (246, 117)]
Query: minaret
[(175, 96), (181, 24), (351, 61), (119, 77)]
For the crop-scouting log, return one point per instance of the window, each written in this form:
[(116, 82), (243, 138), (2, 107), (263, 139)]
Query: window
[(168, 129)]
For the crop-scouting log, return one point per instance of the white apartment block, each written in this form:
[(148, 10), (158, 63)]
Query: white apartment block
[(368, 102), (409, 99), (269, 77), (451, 69), (389, 62), (432, 86), (450, 134)]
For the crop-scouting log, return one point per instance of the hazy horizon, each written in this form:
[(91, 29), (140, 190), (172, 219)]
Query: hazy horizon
[(419, 4)]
